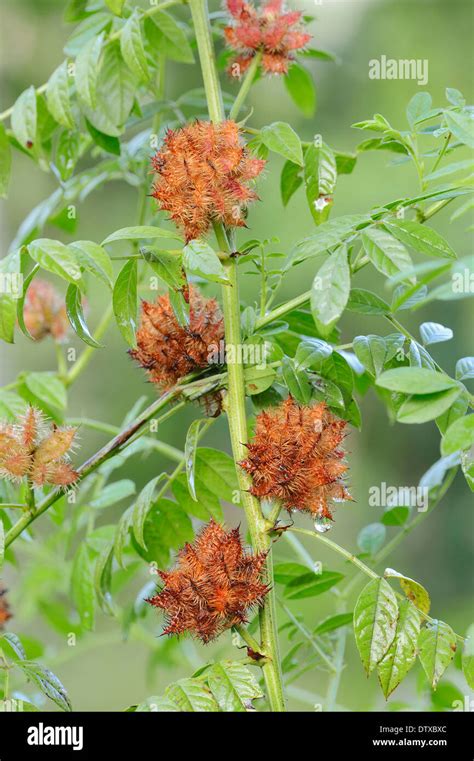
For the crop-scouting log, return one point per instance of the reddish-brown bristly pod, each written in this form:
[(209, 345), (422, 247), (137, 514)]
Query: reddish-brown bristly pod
[(204, 174), (31, 449), (44, 312), (168, 350), (214, 585), (295, 458), (266, 29), (5, 613)]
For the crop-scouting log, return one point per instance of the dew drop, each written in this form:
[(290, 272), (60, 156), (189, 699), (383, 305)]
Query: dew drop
[(322, 524)]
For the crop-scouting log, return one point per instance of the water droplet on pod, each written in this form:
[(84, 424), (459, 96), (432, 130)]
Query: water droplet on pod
[(322, 524)]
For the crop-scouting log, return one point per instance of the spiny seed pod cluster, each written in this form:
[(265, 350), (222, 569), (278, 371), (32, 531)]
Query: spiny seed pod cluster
[(5, 613), (44, 312), (31, 449), (267, 29), (168, 350), (203, 175), (295, 458), (214, 585)]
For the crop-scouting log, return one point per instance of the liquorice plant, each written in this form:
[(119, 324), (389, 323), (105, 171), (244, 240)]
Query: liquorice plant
[(278, 372)]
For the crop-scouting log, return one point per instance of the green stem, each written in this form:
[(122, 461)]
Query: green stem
[(235, 403), (283, 309), (442, 152), (245, 87), (159, 446), (86, 356), (261, 542), (309, 637), (355, 560), (335, 678), (337, 548), (200, 16), (247, 638), (62, 369), (404, 531)]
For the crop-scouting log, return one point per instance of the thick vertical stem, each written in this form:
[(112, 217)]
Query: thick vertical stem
[(200, 14), (257, 524), (236, 389)]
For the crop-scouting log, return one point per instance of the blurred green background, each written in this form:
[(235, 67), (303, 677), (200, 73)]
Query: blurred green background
[(101, 673)]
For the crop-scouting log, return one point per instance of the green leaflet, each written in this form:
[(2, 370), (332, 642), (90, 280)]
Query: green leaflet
[(142, 232), (415, 591), (143, 506), (57, 258), (57, 96), (227, 686), (280, 138), (299, 83), (420, 237), (375, 622), (371, 538), (386, 253), (82, 587), (132, 47), (76, 317), (401, 654), (200, 259), (415, 380), (459, 436), (320, 176), (436, 646), (311, 584), (125, 299), (47, 682), (87, 70), (330, 291), (24, 118), (468, 657)]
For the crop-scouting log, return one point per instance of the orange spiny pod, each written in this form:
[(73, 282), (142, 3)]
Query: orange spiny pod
[(266, 29), (203, 175), (30, 449), (5, 613), (44, 312), (213, 586), (295, 458), (168, 350)]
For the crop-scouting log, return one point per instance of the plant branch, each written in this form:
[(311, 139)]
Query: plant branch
[(111, 448), (355, 561), (405, 530), (159, 446), (248, 639), (308, 636), (337, 548), (87, 354), (235, 403), (246, 86)]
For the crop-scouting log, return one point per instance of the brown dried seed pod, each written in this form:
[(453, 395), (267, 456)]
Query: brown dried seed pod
[(44, 312), (213, 586), (203, 174), (295, 458), (168, 350), (34, 450), (5, 613), (266, 28)]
